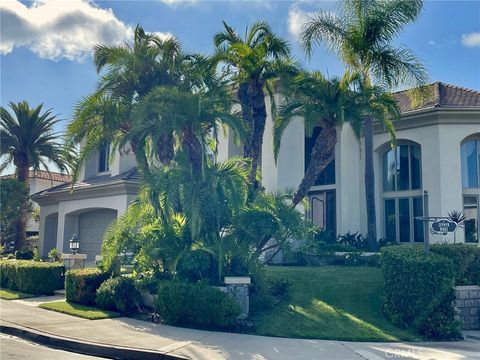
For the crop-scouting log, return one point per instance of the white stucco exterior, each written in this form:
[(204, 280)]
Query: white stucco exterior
[(87, 209), (439, 132)]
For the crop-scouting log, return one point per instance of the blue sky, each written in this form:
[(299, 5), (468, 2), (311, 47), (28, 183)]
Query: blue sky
[(45, 45)]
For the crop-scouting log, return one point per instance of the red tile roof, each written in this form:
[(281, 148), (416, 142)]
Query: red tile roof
[(42, 174), (441, 95)]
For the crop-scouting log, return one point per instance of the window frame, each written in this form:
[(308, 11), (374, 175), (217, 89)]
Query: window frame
[(397, 195), (476, 141), (106, 147)]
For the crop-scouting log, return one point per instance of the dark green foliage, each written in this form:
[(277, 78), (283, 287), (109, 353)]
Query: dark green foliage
[(418, 289), (24, 254), (118, 294), (14, 195), (466, 260), (279, 288), (439, 325), (81, 284), (181, 303), (31, 277)]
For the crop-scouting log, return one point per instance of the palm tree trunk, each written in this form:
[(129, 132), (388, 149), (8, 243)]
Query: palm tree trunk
[(21, 223), (370, 185), (323, 153), (245, 103), (194, 149), (165, 149), (259, 117)]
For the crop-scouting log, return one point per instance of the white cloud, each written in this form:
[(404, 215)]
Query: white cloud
[(471, 40), (58, 29), (178, 2), (162, 35), (296, 19)]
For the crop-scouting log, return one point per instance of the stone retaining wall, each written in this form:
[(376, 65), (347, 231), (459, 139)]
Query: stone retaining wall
[(467, 306)]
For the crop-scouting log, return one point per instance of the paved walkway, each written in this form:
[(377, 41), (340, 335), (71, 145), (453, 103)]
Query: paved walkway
[(207, 345)]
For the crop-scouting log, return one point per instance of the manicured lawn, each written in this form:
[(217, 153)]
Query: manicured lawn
[(331, 302), (7, 294), (86, 312)]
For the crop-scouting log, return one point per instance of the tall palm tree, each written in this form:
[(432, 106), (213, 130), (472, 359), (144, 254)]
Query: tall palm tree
[(132, 71), (256, 60), (28, 140), (361, 35), (328, 104)]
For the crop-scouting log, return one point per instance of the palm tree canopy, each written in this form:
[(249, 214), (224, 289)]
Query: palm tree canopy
[(28, 138), (314, 98), (361, 35)]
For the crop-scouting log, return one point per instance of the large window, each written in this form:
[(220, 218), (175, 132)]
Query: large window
[(402, 168), (402, 194), (103, 158), (470, 153), (471, 164), (327, 176)]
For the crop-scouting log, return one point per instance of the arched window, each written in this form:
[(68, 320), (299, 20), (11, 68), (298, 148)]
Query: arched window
[(402, 193), (470, 158)]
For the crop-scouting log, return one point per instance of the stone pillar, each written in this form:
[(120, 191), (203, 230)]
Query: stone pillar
[(467, 306), (238, 288)]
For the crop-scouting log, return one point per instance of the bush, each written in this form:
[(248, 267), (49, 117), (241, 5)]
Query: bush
[(31, 277), (24, 254), (179, 303), (279, 288), (466, 261), (118, 294), (418, 289), (81, 284)]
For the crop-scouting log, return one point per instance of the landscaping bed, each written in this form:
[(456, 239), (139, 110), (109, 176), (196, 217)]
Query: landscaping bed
[(330, 302)]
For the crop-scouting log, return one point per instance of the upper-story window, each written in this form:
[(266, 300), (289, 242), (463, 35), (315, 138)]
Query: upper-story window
[(103, 158), (471, 163), (402, 168), (402, 194)]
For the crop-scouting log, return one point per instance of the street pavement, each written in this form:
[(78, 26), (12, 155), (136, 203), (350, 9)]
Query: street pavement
[(208, 345), (12, 348)]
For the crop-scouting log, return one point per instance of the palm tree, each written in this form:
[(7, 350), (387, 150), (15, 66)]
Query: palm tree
[(361, 35), (328, 103), (257, 60), (132, 71), (28, 140)]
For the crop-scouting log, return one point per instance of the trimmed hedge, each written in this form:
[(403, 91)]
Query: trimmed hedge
[(466, 261), (202, 305), (81, 284), (418, 291), (31, 277), (118, 294)]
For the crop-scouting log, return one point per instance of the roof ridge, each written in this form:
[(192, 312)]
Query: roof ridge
[(458, 87)]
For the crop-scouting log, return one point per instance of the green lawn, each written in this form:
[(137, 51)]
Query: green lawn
[(7, 294), (86, 312), (331, 302)]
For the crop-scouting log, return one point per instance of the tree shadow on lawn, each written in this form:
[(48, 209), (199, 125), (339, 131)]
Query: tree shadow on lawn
[(334, 302)]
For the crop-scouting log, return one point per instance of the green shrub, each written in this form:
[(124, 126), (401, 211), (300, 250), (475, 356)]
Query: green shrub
[(24, 254), (279, 288), (31, 277), (81, 284), (118, 294), (417, 288), (179, 303), (466, 260)]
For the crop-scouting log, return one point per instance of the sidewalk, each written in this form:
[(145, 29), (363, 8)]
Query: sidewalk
[(207, 345)]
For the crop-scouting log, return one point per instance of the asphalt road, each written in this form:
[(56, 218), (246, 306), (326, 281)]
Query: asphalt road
[(15, 348)]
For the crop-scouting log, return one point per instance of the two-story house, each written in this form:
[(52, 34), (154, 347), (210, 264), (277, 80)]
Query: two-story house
[(438, 150)]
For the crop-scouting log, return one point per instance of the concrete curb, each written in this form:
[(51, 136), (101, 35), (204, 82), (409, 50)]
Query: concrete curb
[(84, 347)]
